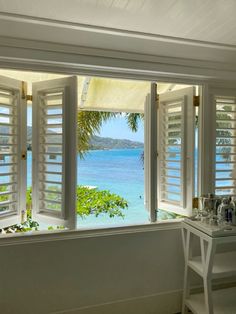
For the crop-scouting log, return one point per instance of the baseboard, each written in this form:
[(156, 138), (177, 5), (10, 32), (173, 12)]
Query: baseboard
[(163, 303)]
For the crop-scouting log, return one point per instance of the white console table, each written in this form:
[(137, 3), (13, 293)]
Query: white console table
[(209, 265)]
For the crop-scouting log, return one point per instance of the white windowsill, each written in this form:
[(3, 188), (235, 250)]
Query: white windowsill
[(42, 236)]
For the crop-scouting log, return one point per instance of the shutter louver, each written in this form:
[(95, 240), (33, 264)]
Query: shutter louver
[(8, 152), (176, 151), (225, 141), (171, 153), (12, 168), (54, 151), (51, 159)]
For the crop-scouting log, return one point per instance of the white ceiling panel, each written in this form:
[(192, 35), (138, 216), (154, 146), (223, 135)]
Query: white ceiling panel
[(202, 20)]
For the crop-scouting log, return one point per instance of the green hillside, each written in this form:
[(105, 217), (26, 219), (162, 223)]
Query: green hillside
[(98, 142)]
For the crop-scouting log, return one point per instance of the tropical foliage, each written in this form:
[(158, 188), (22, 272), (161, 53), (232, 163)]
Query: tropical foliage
[(3, 197), (96, 202), (90, 123), (89, 201)]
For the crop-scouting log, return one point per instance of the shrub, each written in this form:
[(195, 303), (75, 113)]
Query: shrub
[(96, 202)]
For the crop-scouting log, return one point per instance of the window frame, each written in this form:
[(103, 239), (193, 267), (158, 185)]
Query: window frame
[(69, 69)]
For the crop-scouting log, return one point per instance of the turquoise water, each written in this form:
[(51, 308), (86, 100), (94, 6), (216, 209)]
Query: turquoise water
[(121, 172)]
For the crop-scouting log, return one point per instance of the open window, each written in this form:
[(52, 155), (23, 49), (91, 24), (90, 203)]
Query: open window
[(12, 152), (166, 156), (115, 159), (176, 127), (54, 151)]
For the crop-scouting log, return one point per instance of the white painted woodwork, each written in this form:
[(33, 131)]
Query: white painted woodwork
[(150, 152), (213, 230), (205, 143), (176, 196), (210, 21), (224, 139), (224, 265), (12, 166), (209, 265), (54, 141), (223, 300), (15, 24)]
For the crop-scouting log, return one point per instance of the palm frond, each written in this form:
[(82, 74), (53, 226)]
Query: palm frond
[(89, 123), (133, 120)]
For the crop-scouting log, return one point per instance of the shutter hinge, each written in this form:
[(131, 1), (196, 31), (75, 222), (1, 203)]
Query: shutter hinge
[(24, 92), (196, 101), (157, 101)]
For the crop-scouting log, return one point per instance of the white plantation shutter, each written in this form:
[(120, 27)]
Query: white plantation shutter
[(176, 151), (150, 152), (54, 151), (225, 145), (12, 148)]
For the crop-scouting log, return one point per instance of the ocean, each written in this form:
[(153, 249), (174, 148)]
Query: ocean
[(121, 172), (118, 170)]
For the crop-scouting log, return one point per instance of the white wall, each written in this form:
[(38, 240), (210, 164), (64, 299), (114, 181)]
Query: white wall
[(127, 273)]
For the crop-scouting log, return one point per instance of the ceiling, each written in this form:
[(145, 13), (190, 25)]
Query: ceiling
[(183, 32), (201, 20)]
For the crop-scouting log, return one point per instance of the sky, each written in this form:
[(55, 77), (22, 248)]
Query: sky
[(114, 128), (118, 128)]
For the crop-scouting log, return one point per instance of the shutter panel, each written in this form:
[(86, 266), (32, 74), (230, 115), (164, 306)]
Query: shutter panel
[(150, 152), (225, 145), (54, 151), (12, 145), (176, 151)]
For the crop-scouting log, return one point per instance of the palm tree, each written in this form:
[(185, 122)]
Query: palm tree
[(90, 123)]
